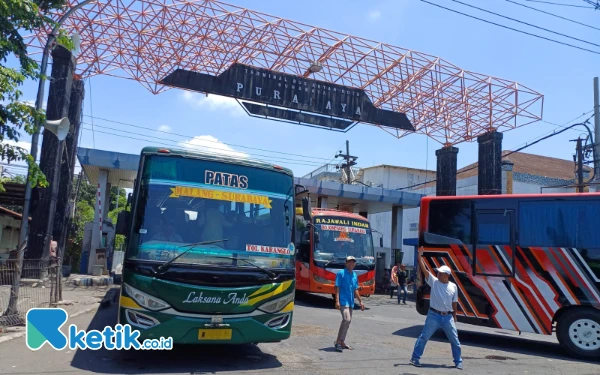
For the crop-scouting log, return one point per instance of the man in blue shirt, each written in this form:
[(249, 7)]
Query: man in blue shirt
[(346, 289)]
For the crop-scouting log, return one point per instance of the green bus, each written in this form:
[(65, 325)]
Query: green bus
[(209, 249)]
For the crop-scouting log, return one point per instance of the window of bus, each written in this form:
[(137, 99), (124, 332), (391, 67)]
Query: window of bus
[(338, 242), (451, 219), (566, 223), (254, 223)]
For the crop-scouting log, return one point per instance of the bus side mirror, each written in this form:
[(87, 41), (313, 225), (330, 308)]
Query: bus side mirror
[(306, 209), (381, 241), (129, 196), (305, 237), (122, 221), (316, 235)]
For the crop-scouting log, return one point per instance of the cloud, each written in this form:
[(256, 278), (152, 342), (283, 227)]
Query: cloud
[(214, 103), (164, 128), (210, 144), (24, 145), (374, 15)]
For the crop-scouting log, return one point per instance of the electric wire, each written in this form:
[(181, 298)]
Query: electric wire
[(554, 15), (525, 23), (560, 4), (190, 136), (197, 146), (511, 28), (584, 123), (269, 158)]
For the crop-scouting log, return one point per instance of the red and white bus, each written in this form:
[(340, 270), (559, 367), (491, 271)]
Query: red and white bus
[(529, 263), (325, 238)]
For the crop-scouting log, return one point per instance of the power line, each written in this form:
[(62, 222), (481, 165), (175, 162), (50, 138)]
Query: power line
[(507, 154), (526, 23), (192, 144), (309, 163), (554, 15), (513, 29), (190, 136), (564, 5)]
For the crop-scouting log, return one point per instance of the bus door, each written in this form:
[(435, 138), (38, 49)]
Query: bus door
[(494, 243), (303, 259)]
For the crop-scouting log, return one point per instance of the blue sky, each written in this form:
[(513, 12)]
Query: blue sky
[(563, 74)]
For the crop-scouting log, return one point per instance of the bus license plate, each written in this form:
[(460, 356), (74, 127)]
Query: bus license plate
[(214, 334)]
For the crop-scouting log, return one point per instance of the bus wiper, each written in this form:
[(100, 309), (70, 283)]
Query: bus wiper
[(333, 260), (164, 266), (272, 275)]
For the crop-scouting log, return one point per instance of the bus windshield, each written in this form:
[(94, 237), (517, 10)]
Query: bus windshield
[(181, 202), (341, 237)]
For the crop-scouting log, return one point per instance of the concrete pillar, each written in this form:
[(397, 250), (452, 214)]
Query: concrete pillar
[(507, 169), (446, 171), (61, 223), (44, 199), (322, 202), (98, 218), (397, 219), (489, 181), (106, 202)]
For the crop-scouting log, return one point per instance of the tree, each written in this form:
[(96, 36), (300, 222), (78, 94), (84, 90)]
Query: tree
[(18, 16)]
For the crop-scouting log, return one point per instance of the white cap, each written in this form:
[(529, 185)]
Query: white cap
[(349, 258), (444, 269)]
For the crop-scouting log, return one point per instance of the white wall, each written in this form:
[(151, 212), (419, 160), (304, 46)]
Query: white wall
[(395, 177), (382, 222)]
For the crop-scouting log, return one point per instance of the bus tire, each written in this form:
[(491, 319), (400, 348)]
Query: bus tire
[(578, 331)]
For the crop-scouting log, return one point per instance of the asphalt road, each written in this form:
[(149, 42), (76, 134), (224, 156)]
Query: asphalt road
[(383, 336)]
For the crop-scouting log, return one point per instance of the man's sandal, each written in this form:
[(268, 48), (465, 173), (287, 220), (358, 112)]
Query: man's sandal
[(338, 347), (348, 347)]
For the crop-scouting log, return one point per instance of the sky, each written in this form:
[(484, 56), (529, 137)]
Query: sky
[(564, 75)]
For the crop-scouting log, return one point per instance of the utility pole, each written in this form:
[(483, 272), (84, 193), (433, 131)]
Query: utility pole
[(350, 162), (578, 158), (596, 144)]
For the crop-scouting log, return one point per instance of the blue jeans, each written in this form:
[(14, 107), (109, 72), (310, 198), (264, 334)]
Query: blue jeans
[(403, 289), (432, 323)]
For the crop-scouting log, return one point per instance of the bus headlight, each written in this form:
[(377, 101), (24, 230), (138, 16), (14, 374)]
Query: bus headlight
[(369, 282), (146, 300), (321, 280), (277, 304)]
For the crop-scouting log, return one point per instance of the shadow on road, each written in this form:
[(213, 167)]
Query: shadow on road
[(509, 344), (325, 301), (189, 359)]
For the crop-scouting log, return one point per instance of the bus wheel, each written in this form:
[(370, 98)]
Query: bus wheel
[(578, 332)]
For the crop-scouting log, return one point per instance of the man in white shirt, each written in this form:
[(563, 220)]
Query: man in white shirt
[(442, 314)]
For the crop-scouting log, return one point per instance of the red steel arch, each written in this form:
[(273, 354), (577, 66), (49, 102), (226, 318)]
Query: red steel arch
[(145, 40)]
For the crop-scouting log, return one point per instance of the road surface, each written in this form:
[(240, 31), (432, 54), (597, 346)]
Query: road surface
[(383, 336)]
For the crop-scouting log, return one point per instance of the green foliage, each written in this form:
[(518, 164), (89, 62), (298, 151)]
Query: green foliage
[(86, 205), (17, 16)]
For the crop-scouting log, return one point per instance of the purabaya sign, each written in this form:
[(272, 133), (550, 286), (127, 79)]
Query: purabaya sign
[(293, 93)]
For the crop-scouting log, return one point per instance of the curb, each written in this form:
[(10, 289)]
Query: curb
[(22, 333)]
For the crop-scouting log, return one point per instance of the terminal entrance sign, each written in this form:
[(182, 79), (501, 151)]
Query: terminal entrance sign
[(290, 97)]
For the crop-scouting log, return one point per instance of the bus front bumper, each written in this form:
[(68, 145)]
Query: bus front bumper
[(190, 330), (330, 289)]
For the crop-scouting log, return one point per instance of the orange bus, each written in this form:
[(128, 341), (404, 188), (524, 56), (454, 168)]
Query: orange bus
[(325, 238)]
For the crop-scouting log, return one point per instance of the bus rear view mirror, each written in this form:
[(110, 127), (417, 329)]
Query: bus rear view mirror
[(122, 221), (435, 239), (381, 241), (306, 209), (316, 237)]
